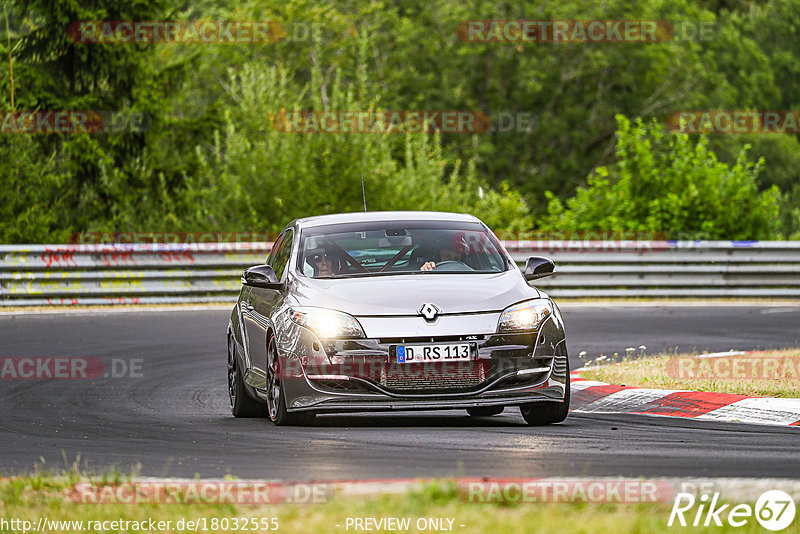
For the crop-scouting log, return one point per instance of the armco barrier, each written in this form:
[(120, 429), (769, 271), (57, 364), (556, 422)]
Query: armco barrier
[(746, 269), (41, 275), (140, 273)]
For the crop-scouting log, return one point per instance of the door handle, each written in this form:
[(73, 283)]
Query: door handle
[(247, 306)]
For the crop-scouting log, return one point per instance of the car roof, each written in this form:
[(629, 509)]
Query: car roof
[(379, 216)]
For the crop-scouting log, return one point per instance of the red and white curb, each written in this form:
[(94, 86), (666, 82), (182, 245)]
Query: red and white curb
[(589, 396)]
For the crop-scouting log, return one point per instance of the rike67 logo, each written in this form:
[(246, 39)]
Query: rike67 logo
[(774, 510)]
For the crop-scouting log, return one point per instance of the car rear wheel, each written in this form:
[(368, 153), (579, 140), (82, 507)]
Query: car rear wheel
[(242, 405), (547, 412), (485, 411), (276, 403)]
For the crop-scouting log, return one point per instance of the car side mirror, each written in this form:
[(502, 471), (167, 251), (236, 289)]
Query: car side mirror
[(538, 267), (261, 276)]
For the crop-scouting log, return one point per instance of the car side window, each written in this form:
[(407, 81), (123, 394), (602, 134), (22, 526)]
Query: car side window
[(283, 250), (275, 246)]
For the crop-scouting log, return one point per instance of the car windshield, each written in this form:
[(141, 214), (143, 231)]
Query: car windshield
[(350, 250)]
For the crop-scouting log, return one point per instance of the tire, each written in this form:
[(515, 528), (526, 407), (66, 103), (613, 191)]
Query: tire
[(547, 412), (485, 411), (242, 404), (276, 404)]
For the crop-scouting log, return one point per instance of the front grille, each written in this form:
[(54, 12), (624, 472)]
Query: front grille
[(432, 377), (429, 339), (338, 385)]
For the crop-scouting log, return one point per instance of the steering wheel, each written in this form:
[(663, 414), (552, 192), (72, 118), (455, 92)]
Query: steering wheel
[(452, 265)]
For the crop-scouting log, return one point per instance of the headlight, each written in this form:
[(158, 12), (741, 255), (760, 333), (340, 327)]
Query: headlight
[(525, 316), (327, 324)]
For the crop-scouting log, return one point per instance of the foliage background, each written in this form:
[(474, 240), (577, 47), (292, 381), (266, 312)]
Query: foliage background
[(596, 156)]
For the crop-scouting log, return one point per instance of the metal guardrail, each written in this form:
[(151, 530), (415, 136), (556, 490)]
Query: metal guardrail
[(700, 269), (140, 273), (41, 275)]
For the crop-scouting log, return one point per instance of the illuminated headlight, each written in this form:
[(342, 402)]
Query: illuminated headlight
[(525, 316), (327, 324)]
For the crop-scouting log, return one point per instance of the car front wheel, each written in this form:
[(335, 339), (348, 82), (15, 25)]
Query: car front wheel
[(547, 412), (276, 400)]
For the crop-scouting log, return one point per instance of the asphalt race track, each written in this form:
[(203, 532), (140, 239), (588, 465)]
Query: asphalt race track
[(174, 419)]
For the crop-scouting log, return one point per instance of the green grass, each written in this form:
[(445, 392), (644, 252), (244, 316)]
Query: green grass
[(31, 497), (663, 371)]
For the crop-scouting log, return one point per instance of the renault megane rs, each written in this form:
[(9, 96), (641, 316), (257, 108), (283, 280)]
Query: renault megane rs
[(395, 311)]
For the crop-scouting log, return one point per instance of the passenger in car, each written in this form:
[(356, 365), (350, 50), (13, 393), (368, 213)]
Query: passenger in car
[(324, 263)]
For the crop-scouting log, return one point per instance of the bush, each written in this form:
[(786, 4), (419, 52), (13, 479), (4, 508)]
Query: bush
[(32, 193), (664, 182), (258, 177)]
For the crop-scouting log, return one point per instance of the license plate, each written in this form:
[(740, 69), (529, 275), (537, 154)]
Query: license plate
[(443, 352)]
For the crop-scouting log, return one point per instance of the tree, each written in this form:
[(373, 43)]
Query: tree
[(256, 175), (664, 182)]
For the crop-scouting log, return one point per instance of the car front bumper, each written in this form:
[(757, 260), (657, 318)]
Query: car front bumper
[(363, 375)]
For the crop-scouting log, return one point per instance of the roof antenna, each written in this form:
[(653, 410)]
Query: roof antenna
[(363, 193)]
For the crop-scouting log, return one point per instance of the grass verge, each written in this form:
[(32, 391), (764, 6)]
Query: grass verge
[(33, 497), (767, 373)]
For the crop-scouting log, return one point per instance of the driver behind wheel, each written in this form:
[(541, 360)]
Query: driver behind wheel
[(323, 262), (445, 254)]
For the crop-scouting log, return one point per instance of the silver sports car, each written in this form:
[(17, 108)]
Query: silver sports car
[(395, 311)]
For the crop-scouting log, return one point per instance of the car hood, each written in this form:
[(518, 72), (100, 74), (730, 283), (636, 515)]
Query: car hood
[(405, 294)]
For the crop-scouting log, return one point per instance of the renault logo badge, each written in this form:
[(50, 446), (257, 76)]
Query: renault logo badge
[(429, 311)]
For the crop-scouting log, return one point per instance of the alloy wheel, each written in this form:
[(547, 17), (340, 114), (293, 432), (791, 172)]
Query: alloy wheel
[(231, 371), (273, 381)]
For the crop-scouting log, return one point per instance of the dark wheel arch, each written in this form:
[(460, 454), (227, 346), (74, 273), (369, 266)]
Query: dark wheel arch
[(241, 401)]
